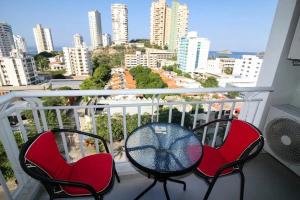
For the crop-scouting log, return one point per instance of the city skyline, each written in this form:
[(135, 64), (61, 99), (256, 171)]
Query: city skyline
[(248, 31)]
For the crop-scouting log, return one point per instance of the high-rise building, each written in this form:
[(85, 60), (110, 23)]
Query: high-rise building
[(18, 69), (78, 61), (119, 15), (20, 43), (192, 53), (6, 39), (160, 23), (248, 67), (95, 28), (179, 24), (106, 38), (43, 38), (78, 40)]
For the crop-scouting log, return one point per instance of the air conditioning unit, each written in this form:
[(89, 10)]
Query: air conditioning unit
[(282, 135)]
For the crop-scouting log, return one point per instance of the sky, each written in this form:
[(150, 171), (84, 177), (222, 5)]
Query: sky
[(236, 25)]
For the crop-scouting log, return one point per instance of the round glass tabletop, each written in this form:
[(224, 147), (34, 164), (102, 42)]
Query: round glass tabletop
[(163, 148)]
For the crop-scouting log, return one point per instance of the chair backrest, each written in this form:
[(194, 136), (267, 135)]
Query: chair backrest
[(240, 138), (43, 153)]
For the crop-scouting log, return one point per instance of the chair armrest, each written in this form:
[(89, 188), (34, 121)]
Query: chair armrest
[(212, 122), (83, 133), (227, 166)]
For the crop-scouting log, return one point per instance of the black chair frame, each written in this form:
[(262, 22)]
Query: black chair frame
[(51, 184), (251, 152)]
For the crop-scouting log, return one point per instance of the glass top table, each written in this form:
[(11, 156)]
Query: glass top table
[(163, 150)]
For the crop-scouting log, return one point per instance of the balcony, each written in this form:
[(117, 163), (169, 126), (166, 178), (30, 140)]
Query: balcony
[(26, 113)]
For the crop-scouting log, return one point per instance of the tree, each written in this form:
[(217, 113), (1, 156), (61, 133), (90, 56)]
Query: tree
[(233, 95), (210, 82), (42, 63)]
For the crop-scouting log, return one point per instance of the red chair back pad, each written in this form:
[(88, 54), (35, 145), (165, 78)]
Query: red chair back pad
[(44, 153), (240, 136)]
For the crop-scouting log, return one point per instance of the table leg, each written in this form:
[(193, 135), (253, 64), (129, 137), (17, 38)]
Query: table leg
[(146, 190), (166, 190), (178, 181)]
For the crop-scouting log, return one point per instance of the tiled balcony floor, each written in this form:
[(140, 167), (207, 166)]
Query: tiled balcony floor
[(265, 179)]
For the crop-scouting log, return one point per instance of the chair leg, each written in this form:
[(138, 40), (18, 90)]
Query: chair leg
[(116, 174), (242, 185), (166, 190), (210, 187)]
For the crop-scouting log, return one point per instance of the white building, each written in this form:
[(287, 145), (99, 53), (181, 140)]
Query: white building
[(247, 67), (95, 28), (193, 53), (151, 58), (18, 69), (119, 15), (20, 43), (160, 23), (219, 65), (6, 39), (43, 39), (178, 24), (106, 38), (78, 40), (77, 61)]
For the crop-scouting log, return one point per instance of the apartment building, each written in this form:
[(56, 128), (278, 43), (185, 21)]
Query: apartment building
[(78, 40), (192, 53), (95, 28), (151, 58), (247, 67), (106, 38), (218, 65), (18, 69), (77, 61), (43, 38), (6, 39), (178, 25), (160, 23), (119, 13), (20, 43)]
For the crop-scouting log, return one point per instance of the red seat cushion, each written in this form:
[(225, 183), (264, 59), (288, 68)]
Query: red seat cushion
[(44, 153), (240, 137), (94, 170), (212, 160)]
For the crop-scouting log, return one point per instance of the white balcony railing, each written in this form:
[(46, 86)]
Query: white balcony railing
[(108, 103)]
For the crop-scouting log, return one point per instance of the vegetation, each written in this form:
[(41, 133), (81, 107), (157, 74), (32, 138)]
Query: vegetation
[(42, 60), (175, 68), (210, 82), (233, 95), (101, 76), (228, 70), (145, 78), (58, 74)]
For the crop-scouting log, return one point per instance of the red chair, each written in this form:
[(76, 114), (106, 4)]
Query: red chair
[(243, 142), (90, 176)]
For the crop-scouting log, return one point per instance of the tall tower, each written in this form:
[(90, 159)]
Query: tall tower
[(95, 28), (6, 39), (160, 23), (43, 38), (119, 15), (178, 24), (78, 40), (20, 43)]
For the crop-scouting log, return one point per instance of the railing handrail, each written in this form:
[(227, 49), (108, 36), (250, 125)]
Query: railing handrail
[(20, 94)]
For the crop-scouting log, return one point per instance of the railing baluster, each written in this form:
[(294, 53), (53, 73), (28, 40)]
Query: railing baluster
[(7, 193), (157, 108), (124, 123), (22, 127), (110, 131), (170, 114), (254, 115), (195, 116), (139, 116), (95, 129), (36, 120), (217, 126), (152, 111), (77, 122), (229, 123), (63, 135), (183, 114), (205, 128), (44, 121)]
